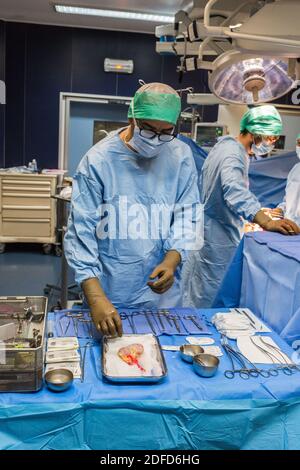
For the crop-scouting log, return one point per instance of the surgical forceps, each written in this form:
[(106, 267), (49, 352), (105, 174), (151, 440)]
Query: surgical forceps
[(129, 317), (291, 366), (161, 323), (166, 314), (72, 317), (285, 367), (245, 372), (89, 345), (176, 322), (180, 319), (193, 319), (147, 314)]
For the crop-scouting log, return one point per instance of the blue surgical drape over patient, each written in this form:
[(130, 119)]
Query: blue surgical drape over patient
[(224, 191), (113, 182)]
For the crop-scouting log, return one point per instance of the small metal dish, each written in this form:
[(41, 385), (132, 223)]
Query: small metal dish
[(188, 351), (58, 380), (206, 365)]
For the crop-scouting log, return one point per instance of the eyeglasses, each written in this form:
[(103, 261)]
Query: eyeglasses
[(162, 136), (270, 139)]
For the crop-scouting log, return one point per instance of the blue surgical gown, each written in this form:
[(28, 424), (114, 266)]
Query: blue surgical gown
[(291, 202), (224, 191), (112, 179)]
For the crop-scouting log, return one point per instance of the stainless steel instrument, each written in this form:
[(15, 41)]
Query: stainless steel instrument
[(193, 319)]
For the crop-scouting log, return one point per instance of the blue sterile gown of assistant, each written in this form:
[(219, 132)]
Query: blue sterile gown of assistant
[(227, 200), (291, 202), (112, 179)]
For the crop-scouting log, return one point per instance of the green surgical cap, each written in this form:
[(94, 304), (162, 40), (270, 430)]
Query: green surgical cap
[(263, 120), (158, 106), (298, 137)]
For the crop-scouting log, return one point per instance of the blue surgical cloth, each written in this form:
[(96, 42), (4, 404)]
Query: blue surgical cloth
[(291, 202), (224, 191), (115, 190)]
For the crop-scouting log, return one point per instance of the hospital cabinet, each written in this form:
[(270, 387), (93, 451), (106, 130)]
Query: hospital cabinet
[(27, 209)]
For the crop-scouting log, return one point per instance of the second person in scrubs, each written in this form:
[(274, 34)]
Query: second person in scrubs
[(224, 191)]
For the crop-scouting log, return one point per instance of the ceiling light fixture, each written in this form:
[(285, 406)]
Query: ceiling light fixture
[(117, 14)]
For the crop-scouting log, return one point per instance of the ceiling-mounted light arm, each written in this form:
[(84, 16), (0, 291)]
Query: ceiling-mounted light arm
[(218, 49), (182, 17), (236, 12), (220, 31), (210, 41), (297, 70), (259, 37), (292, 72), (214, 30)]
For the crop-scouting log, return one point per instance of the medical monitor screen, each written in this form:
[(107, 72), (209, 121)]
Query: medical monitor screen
[(207, 136)]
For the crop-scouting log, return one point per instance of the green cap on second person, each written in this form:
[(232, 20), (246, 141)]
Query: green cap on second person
[(262, 120)]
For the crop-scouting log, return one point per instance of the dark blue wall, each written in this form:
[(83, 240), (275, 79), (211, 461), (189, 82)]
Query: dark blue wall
[(42, 61), (2, 106), (38, 62)]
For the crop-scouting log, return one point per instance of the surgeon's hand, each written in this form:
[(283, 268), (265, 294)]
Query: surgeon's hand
[(106, 318), (277, 212), (284, 226), (104, 314), (165, 272)]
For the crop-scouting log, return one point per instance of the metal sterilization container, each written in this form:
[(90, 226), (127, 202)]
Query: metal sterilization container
[(22, 332)]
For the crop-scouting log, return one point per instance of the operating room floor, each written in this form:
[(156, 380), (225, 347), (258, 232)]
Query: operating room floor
[(25, 270)]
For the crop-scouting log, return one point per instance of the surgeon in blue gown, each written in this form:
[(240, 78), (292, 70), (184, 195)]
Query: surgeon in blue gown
[(228, 202), (119, 183)]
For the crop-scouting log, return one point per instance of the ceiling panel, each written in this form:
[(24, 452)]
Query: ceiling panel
[(41, 11)]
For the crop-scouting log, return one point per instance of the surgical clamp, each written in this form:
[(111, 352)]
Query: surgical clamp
[(244, 372)]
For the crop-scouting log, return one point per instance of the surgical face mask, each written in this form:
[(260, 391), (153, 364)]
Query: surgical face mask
[(147, 148), (298, 151), (262, 149)]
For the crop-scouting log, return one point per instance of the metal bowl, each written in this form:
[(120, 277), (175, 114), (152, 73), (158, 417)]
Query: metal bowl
[(188, 351), (205, 365), (58, 380)]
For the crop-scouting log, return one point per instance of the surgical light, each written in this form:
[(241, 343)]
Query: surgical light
[(246, 79), (258, 57), (117, 14)]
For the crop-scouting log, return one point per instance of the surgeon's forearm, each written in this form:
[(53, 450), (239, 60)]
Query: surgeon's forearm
[(93, 291), (262, 219), (172, 259)]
